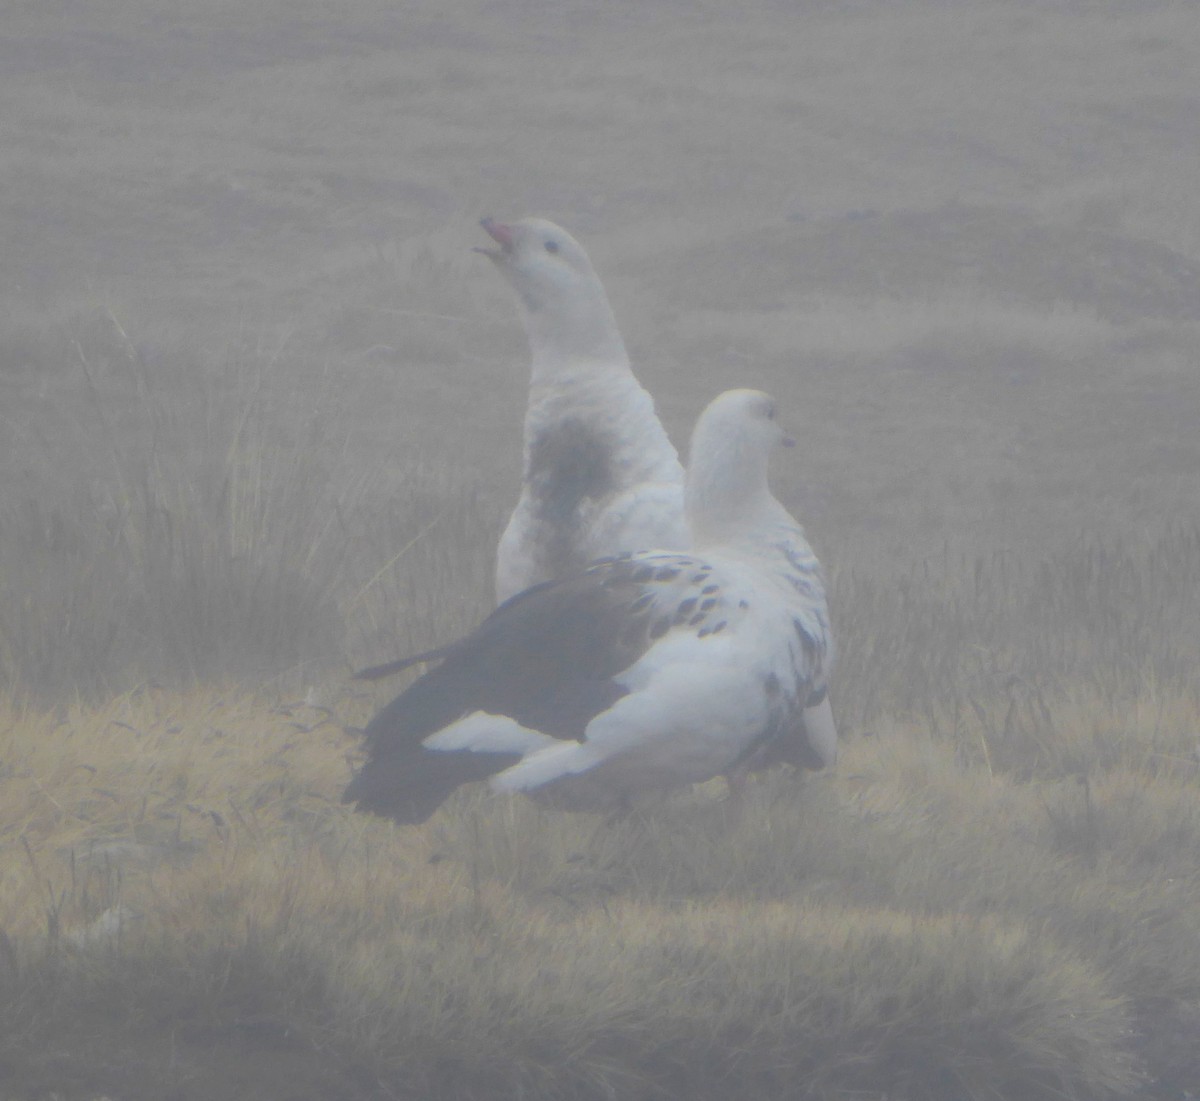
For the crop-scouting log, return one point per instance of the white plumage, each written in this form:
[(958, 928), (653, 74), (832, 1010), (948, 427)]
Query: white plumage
[(644, 672), (600, 474), (601, 477)]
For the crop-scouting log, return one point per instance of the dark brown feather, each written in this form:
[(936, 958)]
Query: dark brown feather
[(547, 658)]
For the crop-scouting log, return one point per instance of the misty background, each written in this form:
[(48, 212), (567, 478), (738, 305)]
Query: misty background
[(960, 245), (260, 422)]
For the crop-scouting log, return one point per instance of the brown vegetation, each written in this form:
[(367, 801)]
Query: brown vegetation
[(260, 405), (1000, 907)]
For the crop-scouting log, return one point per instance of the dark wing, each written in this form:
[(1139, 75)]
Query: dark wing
[(391, 668), (547, 658), (792, 745)]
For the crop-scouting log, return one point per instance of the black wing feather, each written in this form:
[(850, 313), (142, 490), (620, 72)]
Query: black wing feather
[(546, 658)]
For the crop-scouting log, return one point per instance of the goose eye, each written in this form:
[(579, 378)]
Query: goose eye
[(551, 246), (770, 412)]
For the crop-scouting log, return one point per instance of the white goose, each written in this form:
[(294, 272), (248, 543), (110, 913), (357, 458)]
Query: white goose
[(601, 477), (645, 671)]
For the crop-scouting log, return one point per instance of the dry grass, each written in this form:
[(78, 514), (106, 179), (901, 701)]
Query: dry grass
[(992, 899), (258, 410), (176, 868), (199, 519)]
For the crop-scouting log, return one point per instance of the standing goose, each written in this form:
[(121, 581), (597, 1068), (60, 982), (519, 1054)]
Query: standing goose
[(600, 475), (643, 672)]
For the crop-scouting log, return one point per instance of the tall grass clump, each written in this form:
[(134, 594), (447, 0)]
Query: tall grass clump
[(990, 899), (177, 871), (998, 909), (207, 519), (1021, 660)]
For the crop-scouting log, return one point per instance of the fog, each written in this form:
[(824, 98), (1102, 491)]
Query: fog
[(260, 424), (960, 244)]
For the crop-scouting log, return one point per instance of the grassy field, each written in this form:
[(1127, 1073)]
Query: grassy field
[(259, 412)]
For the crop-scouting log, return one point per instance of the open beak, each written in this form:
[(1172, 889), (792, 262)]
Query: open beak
[(500, 233)]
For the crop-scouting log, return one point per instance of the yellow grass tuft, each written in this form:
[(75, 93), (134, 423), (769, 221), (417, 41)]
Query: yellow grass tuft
[(179, 865), (243, 444)]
